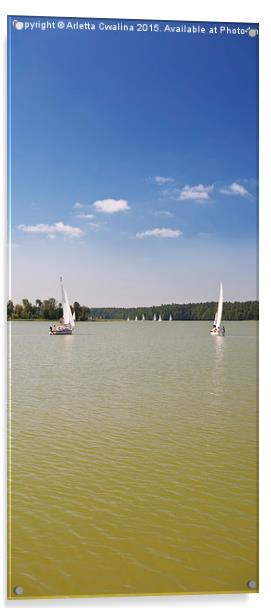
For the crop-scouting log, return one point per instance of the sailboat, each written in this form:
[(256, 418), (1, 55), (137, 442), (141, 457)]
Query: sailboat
[(128, 318), (217, 330), (170, 317), (154, 317), (136, 318), (143, 317), (160, 318), (67, 321)]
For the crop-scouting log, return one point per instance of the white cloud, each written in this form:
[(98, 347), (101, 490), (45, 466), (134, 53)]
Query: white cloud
[(164, 232), (195, 193), (235, 189), (78, 206), (161, 180), (169, 193), (51, 230), (111, 206), (85, 216), (164, 213), (94, 225)]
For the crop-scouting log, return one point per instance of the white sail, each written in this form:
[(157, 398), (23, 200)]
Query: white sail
[(67, 313), (136, 319), (220, 307), (72, 323), (170, 317), (160, 318), (73, 316), (143, 317), (154, 317)]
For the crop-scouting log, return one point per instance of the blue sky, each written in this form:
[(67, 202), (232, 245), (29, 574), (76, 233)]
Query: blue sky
[(134, 163)]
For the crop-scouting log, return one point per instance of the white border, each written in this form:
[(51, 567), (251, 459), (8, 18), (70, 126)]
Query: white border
[(207, 10)]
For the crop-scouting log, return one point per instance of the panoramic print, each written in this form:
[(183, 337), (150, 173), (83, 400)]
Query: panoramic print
[(133, 307)]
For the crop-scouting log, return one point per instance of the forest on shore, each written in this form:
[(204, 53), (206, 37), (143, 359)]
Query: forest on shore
[(50, 309)]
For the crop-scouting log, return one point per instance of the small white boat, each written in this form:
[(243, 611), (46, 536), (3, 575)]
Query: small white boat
[(67, 321), (136, 318), (143, 317), (160, 318), (154, 317), (128, 318), (217, 329), (170, 317)]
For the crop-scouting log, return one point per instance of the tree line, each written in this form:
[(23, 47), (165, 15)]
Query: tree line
[(50, 309)]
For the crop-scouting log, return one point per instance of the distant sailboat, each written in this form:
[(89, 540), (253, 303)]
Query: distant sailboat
[(154, 317), (128, 319), (67, 321), (136, 318), (217, 330), (170, 317), (143, 317), (160, 318)]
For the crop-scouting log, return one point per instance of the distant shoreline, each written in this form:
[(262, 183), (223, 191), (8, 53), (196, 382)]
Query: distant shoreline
[(51, 310)]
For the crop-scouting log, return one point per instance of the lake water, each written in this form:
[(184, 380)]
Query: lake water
[(133, 459)]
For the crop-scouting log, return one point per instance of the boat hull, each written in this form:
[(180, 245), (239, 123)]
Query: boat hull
[(61, 332)]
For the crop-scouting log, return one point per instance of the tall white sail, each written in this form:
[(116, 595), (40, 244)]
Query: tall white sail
[(67, 313), (154, 317), (220, 307)]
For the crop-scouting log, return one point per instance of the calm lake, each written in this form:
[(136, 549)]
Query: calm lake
[(133, 458)]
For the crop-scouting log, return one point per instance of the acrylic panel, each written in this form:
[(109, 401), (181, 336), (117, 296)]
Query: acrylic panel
[(133, 307)]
